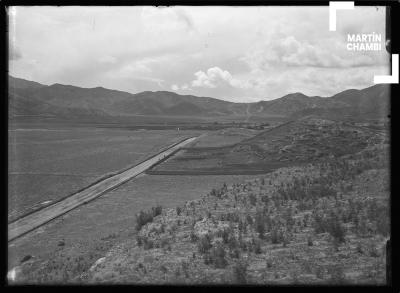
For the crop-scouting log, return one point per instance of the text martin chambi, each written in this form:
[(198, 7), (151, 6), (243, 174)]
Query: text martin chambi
[(364, 42)]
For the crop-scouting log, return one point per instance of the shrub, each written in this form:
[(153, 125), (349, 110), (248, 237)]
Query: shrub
[(265, 199), (217, 193), (217, 255), (139, 240), (359, 248), (260, 225), (336, 229), (285, 240), (145, 217), (193, 237), (226, 235), (253, 199), (235, 253), (269, 263), (204, 244), (142, 219), (276, 236), (232, 242), (249, 219), (156, 210), (240, 272), (331, 224), (337, 274), (257, 246), (310, 241), (178, 211), (233, 217)]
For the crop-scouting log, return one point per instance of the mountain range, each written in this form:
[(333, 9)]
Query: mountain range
[(28, 98)]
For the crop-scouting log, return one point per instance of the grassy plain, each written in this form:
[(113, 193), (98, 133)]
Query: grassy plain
[(223, 137), (48, 163)]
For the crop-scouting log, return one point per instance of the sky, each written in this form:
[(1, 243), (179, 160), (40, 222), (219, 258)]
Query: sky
[(239, 54)]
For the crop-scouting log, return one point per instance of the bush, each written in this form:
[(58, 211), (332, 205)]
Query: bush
[(217, 256), (260, 225), (240, 272), (142, 219), (146, 217), (257, 246), (337, 274), (139, 240), (253, 199), (249, 220), (226, 235), (204, 244), (193, 237), (156, 210), (331, 224), (310, 241), (276, 236), (178, 211), (336, 229), (235, 253)]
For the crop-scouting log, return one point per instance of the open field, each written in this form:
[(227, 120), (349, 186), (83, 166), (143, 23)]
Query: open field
[(223, 137), (292, 143), (150, 122), (40, 217), (46, 164)]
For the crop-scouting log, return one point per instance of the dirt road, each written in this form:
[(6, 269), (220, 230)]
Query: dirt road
[(37, 219)]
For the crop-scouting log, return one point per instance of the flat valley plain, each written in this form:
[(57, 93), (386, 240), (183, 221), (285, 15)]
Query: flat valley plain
[(47, 163)]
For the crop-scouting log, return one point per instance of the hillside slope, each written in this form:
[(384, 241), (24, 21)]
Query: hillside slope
[(34, 99)]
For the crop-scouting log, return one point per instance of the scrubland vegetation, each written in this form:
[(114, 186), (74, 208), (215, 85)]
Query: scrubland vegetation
[(323, 223)]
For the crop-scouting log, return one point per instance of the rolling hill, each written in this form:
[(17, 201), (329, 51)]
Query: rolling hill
[(28, 98)]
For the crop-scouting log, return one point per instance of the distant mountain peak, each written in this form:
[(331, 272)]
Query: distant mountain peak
[(295, 95)]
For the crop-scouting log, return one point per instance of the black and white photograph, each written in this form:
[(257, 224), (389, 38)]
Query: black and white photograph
[(199, 145)]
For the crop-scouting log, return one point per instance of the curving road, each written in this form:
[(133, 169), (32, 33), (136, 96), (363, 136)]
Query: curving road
[(37, 219)]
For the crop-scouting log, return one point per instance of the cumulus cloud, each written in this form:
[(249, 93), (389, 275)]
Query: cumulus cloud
[(214, 76), (288, 51)]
